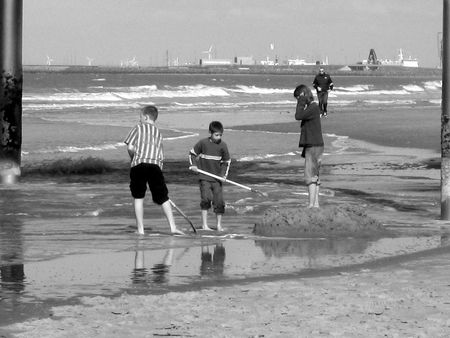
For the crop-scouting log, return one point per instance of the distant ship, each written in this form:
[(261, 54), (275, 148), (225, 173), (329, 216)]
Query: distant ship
[(373, 63), (300, 62), (410, 62)]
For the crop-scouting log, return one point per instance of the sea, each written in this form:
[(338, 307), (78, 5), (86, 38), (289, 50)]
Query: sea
[(67, 227), (189, 102)]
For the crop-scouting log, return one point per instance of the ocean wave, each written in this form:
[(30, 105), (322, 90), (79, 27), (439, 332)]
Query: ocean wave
[(433, 85), (138, 92), (437, 101), (413, 88), (135, 93), (74, 149), (209, 105), (85, 105), (375, 92), (71, 96), (355, 88), (260, 90), (203, 97)]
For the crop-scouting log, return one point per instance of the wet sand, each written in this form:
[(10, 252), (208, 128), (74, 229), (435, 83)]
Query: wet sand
[(397, 186), (407, 299)]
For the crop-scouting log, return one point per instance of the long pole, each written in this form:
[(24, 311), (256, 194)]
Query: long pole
[(11, 89), (445, 117), (231, 182)]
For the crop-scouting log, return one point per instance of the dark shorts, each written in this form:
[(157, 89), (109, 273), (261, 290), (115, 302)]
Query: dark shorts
[(150, 174), (211, 192)]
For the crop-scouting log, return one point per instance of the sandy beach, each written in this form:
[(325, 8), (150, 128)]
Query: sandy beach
[(404, 299), (403, 296)]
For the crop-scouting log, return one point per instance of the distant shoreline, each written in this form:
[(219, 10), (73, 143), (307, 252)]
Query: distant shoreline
[(238, 69)]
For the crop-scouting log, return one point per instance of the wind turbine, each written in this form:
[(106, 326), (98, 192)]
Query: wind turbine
[(208, 52), (89, 60), (49, 60)]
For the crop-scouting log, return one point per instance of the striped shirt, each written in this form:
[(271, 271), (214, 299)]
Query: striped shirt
[(147, 142), (211, 157)]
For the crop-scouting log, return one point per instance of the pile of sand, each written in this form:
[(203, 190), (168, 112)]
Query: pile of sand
[(340, 220)]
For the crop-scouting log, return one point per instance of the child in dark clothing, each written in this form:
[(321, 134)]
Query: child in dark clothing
[(211, 154), (310, 139)]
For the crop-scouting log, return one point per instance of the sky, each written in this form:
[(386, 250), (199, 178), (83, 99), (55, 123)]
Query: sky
[(152, 31)]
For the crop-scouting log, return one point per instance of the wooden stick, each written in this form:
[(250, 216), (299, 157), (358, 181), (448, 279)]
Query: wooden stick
[(183, 214), (229, 181)]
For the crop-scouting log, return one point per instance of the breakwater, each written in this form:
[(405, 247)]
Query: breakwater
[(235, 69)]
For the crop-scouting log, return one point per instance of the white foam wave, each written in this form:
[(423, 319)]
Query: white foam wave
[(73, 149), (437, 101), (68, 96), (235, 97), (353, 89), (413, 88), (260, 90), (234, 104), (62, 106), (376, 92), (138, 92), (433, 85)]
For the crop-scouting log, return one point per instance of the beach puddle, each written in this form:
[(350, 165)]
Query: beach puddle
[(31, 288), (61, 241)]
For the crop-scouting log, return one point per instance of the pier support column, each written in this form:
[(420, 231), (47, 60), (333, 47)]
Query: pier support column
[(11, 89), (445, 117)]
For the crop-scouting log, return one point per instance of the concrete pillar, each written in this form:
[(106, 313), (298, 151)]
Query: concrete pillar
[(11, 89), (445, 117)]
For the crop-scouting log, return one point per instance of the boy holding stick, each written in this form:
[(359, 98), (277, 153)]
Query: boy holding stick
[(211, 155), (144, 145)]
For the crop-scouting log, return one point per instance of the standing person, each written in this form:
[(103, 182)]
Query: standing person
[(323, 83), (310, 139), (211, 154), (144, 145)]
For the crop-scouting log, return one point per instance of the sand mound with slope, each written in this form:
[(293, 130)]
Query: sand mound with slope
[(332, 221)]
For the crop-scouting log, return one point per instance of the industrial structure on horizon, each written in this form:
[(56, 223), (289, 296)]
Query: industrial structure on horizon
[(401, 61)]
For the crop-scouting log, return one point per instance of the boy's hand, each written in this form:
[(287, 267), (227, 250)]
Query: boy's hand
[(194, 168), (301, 100)]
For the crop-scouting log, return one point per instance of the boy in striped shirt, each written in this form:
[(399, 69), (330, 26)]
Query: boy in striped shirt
[(211, 154), (144, 145)]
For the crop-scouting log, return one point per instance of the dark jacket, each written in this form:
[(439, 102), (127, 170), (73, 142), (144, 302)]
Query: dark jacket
[(323, 81), (310, 127)]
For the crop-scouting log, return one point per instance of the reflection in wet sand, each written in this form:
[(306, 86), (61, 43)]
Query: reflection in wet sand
[(12, 278), (212, 264), (311, 248), (12, 271), (160, 270)]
